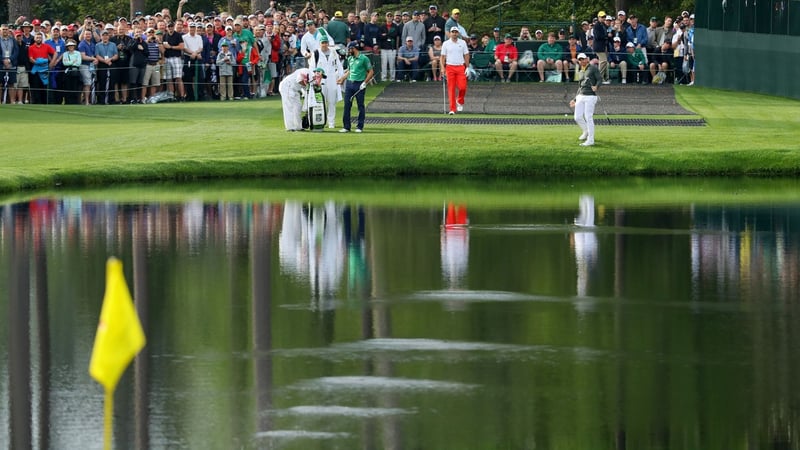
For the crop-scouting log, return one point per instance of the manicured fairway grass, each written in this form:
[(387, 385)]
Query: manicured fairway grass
[(747, 134)]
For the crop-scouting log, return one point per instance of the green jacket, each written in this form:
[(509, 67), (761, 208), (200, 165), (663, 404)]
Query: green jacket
[(637, 58), (553, 52)]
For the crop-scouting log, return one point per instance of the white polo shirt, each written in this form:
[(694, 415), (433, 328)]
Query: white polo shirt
[(454, 52)]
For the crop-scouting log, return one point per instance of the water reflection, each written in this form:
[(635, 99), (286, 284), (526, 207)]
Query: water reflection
[(291, 324)]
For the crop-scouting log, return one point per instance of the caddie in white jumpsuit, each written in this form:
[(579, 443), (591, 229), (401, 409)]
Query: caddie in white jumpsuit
[(293, 89), (329, 61)]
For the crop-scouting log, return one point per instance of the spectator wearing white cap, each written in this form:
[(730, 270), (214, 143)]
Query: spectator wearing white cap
[(586, 99), (408, 61), (538, 35), (71, 59), (106, 53), (618, 60), (193, 58), (637, 63)]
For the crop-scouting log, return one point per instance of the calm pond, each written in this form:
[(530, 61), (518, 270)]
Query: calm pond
[(452, 314)]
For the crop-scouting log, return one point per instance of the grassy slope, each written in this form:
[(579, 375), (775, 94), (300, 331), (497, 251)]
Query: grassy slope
[(76, 145)]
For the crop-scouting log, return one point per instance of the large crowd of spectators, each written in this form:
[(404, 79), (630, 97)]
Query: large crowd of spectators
[(205, 56)]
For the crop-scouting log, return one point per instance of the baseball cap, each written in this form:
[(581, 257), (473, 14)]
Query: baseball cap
[(437, 38), (609, 17), (473, 36), (338, 14), (322, 71), (629, 44), (323, 39), (691, 16), (617, 39), (654, 19), (109, 26), (352, 44), (496, 29), (621, 13), (508, 36), (453, 29), (432, 7), (410, 39), (70, 43), (581, 55), (538, 32), (601, 14), (223, 43), (310, 22), (455, 11), (406, 13), (36, 22)]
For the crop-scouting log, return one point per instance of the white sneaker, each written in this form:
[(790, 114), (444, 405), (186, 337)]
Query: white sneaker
[(344, 130), (691, 84), (331, 126), (358, 130), (582, 137), (459, 107), (607, 82), (587, 144), (624, 81), (452, 113)]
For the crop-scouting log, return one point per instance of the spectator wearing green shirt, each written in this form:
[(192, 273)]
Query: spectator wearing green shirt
[(549, 57), (637, 63), (338, 30)]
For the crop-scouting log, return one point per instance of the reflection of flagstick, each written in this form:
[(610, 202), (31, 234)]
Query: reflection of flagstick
[(119, 338)]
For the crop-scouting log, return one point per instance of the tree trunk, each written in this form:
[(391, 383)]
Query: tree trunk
[(373, 5), (18, 8), (233, 8), (259, 5), (136, 5)]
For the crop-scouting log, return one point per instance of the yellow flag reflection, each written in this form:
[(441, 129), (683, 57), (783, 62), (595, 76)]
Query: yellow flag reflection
[(119, 333)]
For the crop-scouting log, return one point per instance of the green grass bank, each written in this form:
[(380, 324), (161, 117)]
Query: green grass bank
[(747, 134)]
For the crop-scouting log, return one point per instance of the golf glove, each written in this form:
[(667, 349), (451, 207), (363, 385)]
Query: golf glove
[(364, 85)]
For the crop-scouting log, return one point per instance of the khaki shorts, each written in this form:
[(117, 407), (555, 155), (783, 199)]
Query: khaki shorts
[(549, 66), (152, 75), (22, 78), (86, 75)]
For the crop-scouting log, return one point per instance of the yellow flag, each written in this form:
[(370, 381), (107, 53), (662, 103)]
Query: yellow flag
[(119, 333)]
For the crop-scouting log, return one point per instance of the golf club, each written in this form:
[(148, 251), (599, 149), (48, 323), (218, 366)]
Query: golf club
[(604, 110), (444, 94), (356, 93)]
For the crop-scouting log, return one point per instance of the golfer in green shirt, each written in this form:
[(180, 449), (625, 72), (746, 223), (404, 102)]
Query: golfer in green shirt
[(358, 74)]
